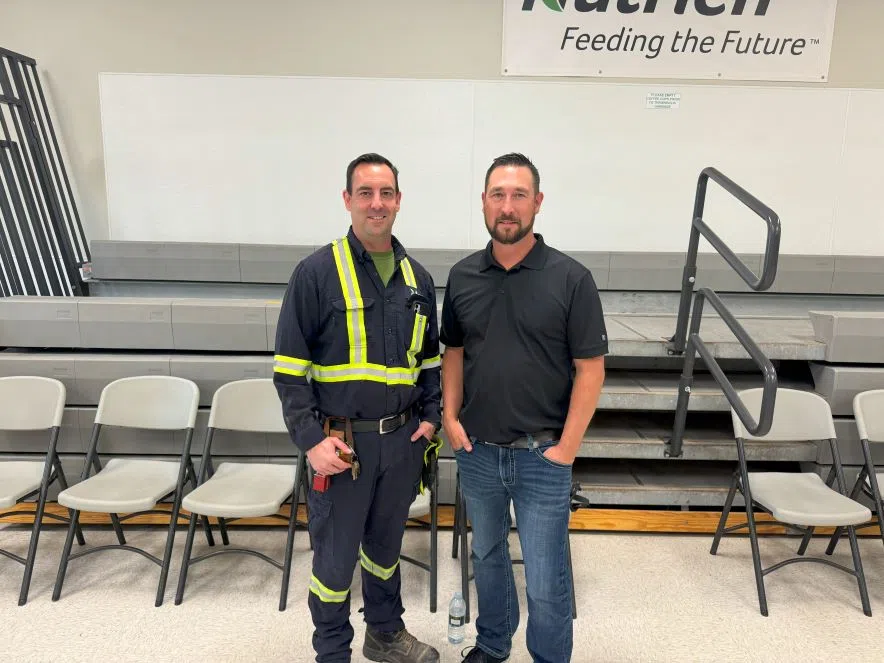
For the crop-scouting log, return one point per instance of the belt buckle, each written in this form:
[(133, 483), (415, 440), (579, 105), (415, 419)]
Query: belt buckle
[(394, 418)]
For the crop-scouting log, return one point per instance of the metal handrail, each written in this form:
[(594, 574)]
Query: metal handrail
[(697, 345), (690, 344), (699, 227)]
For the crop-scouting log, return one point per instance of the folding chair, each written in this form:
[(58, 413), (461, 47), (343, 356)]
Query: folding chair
[(134, 486), (800, 501), (244, 490), (30, 403), (868, 410), (460, 537), (427, 503)]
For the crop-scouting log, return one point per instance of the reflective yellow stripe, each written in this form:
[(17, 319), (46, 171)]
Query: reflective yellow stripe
[(325, 594), (353, 298), (431, 362), (408, 273), (376, 569), (371, 372), (290, 365)]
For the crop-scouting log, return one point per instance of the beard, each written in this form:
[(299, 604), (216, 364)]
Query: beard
[(507, 235)]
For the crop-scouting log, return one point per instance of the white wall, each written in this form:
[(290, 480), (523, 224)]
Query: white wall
[(73, 41)]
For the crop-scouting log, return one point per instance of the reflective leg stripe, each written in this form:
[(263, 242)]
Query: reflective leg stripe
[(375, 569), (325, 594), (353, 298), (290, 365)]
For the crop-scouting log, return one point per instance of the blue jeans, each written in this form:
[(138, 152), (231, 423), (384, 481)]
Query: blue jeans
[(540, 490)]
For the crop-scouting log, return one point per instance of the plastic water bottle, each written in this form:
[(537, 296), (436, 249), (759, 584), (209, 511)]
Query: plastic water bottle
[(456, 612)]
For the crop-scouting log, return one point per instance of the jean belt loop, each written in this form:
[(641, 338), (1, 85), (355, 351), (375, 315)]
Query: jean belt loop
[(532, 443)]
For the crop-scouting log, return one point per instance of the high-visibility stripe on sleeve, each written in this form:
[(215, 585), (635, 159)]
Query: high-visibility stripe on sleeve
[(290, 365), (376, 569), (431, 362), (325, 594)]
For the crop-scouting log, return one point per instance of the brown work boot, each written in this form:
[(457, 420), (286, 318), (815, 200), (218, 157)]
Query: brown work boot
[(399, 647)]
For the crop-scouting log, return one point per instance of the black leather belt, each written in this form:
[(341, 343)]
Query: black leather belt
[(382, 426), (540, 437)]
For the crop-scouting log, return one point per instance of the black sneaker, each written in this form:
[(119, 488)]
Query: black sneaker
[(476, 655), (400, 647)]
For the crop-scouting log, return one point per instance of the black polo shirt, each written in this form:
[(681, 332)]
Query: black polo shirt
[(520, 330)]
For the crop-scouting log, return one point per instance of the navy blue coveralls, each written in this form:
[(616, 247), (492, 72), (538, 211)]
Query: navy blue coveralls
[(368, 355)]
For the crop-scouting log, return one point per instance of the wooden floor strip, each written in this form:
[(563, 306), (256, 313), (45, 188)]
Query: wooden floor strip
[(591, 520)]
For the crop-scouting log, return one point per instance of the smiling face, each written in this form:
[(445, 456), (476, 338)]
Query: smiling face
[(510, 203), (373, 202)]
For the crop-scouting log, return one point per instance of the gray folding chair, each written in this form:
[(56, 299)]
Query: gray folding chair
[(868, 410), (427, 504), (800, 501), (29, 403), (244, 490), (128, 485)]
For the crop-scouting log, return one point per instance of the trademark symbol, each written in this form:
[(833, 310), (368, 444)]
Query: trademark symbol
[(815, 41)]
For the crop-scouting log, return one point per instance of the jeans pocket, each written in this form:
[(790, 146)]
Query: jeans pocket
[(539, 451)]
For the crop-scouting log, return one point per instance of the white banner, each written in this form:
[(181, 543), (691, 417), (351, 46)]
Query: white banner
[(777, 40)]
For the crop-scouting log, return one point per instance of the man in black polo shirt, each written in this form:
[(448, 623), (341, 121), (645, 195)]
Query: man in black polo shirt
[(521, 375)]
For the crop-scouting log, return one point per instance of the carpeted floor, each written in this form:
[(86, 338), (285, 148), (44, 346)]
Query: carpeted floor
[(639, 598)]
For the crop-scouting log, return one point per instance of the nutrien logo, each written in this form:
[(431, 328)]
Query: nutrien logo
[(702, 7)]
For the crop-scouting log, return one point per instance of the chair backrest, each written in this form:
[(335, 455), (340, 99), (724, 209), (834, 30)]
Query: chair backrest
[(798, 416), (248, 405), (28, 402), (149, 401), (868, 408)]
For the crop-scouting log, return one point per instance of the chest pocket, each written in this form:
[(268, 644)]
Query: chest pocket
[(351, 312)]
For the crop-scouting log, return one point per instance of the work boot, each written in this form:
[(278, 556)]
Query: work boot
[(399, 647)]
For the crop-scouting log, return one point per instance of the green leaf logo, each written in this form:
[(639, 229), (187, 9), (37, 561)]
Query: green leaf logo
[(555, 5)]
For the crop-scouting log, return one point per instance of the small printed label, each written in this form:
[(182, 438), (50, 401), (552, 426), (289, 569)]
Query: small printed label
[(664, 100), (455, 621)]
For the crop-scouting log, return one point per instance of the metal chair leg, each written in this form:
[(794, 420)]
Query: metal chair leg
[(63, 484), (728, 503), (464, 557), (805, 540), (290, 540), (434, 543), (185, 561), (65, 555), (860, 576), (753, 540), (115, 521), (35, 537)]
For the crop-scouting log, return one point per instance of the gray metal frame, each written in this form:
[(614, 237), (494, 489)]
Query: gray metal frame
[(186, 474), (432, 566), (868, 470), (741, 482), (207, 470), (52, 472), (690, 343)]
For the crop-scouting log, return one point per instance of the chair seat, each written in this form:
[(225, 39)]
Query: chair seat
[(123, 486), (804, 499), (243, 490), (17, 479), (420, 506)]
